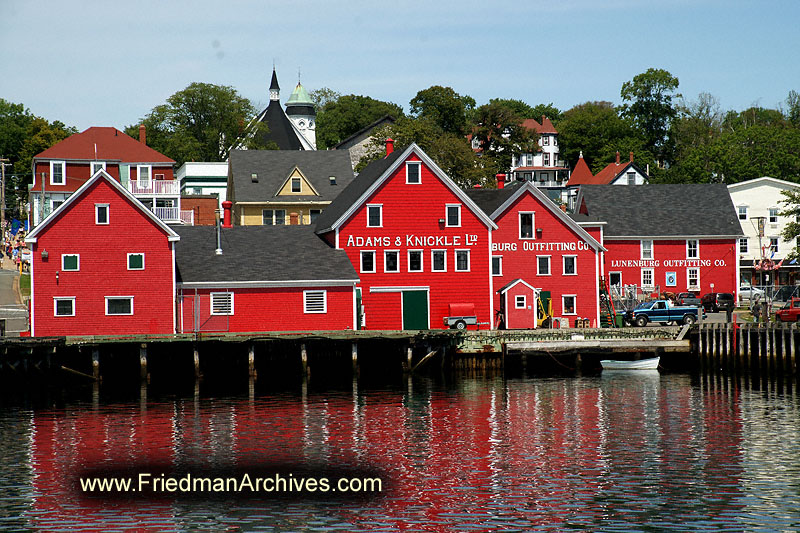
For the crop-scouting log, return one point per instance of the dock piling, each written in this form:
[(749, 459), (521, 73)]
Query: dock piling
[(96, 363), (143, 361), (196, 363), (251, 361)]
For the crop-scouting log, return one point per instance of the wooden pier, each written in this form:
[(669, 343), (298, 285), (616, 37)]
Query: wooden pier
[(764, 349)]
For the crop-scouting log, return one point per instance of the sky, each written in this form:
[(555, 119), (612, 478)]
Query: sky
[(108, 63)]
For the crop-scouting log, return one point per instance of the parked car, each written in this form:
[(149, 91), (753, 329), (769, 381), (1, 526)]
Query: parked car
[(688, 298), (662, 312), (789, 312), (747, 292), (785, 294), (716, 301)]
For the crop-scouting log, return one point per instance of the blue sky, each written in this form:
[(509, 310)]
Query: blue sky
[(108, 63)]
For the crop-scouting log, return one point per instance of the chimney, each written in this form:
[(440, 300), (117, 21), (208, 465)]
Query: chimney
[(389, 146), (542, 119), (631, 157), (618, 157), (142, 134), (501, 181), (226, 218), (294, 219)]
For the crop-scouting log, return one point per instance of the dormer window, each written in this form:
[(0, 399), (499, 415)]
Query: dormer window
[(254, 177), (333, 180), (296, 185), (98, 165), (413, 172), (58, 173)]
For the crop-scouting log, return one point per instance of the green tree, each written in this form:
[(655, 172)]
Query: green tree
[(347, 114), (500, 134), (202, 122), (15, 120), (791, 209), (548, 110), (444, 107), (323, 96), (793, 108), (648, 102), (694, 131), (755, 151)]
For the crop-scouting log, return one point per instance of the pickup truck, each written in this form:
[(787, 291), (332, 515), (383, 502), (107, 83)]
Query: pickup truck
[(789, 312), (663, 312)]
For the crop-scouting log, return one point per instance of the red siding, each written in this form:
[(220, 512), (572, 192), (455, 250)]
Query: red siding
[(267, 309), (413, 211), (519, 318), (79, 173), (103, 271)]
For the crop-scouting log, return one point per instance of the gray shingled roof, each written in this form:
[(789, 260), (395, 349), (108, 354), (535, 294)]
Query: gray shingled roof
[(490, 199), (274, 166), (353, 192), (662, 210), (258, 253)]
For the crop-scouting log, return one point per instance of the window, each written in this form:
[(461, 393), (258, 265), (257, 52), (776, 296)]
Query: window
[(221, 303), (101, 213), (462, 260), (412, 172), (296, 186), (273, 217), (569, 265), (439, 261), (64, 306), (773, 244), (54, 204), (543, 265), (555, 140), (743, 246), (631, 178), (415, 260), (568, 304), (97, 165), (545, 140), (692, 249), (497, 265), (313, 214), (374, 216), (196, 190), (453, 216), (773, 215), (70, 262), (528, 160), (135, 261), (546, 159), (391, 261), (519, 301), (615, 280), (332, 180), (368, 261), (143, 171), (58, 173), (526, 225), (254, 177), (119, 305), (647, 249), (647, 278), (315, 301), (693, 279), (742, 212)]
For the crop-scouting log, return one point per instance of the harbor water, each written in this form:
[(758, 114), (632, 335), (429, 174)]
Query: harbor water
[(618, 451)]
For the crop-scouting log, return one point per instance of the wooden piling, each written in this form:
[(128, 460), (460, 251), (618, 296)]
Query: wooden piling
[(742, 332), (354, 352), (304, 359), (791, 359), (96, 363), (251, 361), (143, 361), (409, 352), (196, 363)]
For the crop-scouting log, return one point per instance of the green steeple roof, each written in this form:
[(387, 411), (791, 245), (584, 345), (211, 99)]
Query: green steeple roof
[(299, 97)]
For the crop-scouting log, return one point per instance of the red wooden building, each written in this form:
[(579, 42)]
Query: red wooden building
[(102, 263), (418, 243)]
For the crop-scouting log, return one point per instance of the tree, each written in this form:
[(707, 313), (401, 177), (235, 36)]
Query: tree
[(648, 102), (346, 115), (15, 120), (200, 123), (793, 111), (696, 128), (500, 133), (444, 107), (323, 96)]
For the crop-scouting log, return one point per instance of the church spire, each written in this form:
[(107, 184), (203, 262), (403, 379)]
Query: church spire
[(274, 88)]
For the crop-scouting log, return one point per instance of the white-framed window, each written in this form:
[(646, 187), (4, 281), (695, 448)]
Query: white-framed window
[(296, 185), (462, 260), (526, 225), (136, 261), (528, 160), (368, 261), (545, 140), (64, 306), (119, 305), (143, 174), (315, 301), (497, 265), (631, 178), (273, 217), (438, 261), (453, 215), (773, 244), (692, 249), (520, 301), (647, 278), (391, 261), (568, 304), (570, 265), (742, 212), (413, 174), (374, 215), (692, 279), (54, 204), (647, 249), (101, 214), (542, 265), (546, 159), (415, 261), (221, 303), (58, 172), (773, 215), (97, 165), (743, 245), (615, 280), (70, 262)]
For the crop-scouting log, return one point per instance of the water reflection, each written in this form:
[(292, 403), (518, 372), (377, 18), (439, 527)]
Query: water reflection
[(610, 452)]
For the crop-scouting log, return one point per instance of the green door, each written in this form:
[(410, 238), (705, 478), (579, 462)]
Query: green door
[(415, 309)]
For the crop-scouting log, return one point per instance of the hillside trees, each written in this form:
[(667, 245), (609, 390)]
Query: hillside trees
[(443, 106), (341, 116)]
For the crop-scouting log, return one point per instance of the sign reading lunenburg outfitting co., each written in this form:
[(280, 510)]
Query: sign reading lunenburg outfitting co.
[(676, 263)]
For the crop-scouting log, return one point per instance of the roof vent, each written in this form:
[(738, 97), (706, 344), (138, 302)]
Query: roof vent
[(254, 177), (333, 180)]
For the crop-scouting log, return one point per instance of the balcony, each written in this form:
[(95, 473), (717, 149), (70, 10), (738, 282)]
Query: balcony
[(175, 215), (154, 187)]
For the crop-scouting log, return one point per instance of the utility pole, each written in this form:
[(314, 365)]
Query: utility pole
[(3, 163)]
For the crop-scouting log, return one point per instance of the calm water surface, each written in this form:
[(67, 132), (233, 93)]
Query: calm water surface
[(616, 452)]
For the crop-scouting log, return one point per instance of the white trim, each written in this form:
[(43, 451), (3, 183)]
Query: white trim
[(107, 298), (656, 238), (361, 262), (598, 265), (652, 284), (697, 249), (63, 165), (433, 263), (533, 225), (266, 284), (228, 295), (517, 300), (92, 171), (56, 299), (149, 173), (421, 260), (32, 312), (97, 208), (692, 287), (397, 255), (355, 308), (398, 289), (549, 265), (641, 249), (491, 263), (324, 301), (380, 215), (63, 269), (564, 265), (469, 260), (491, 283), (574, 304), (517, 282), (175, 293), (129, 260), (418, 164), (447, 216)]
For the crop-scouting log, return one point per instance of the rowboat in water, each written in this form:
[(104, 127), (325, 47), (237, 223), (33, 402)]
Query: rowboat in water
[(642, 364)]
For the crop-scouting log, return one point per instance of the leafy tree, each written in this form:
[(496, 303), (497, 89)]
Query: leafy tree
[(548, 110), (200, 123), (791, 209), (523, 110), (15, 120), (758, 150), (323, 96), (445, 107), (793, 111), (753, 116), (696, 128), (347, 114), (648, 102), (500, 133)]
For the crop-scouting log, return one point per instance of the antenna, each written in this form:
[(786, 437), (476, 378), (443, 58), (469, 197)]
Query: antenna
[(298, 75)]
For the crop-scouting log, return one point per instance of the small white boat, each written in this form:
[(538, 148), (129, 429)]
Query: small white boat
[(642, 364)]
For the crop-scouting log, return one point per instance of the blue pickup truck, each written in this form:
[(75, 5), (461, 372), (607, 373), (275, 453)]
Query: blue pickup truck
[(663, 312)]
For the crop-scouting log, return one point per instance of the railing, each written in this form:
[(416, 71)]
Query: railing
[(551, 183), (154, 187), (187, 217)]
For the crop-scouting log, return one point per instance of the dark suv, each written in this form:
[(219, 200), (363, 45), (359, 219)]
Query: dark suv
[(716, 301)]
